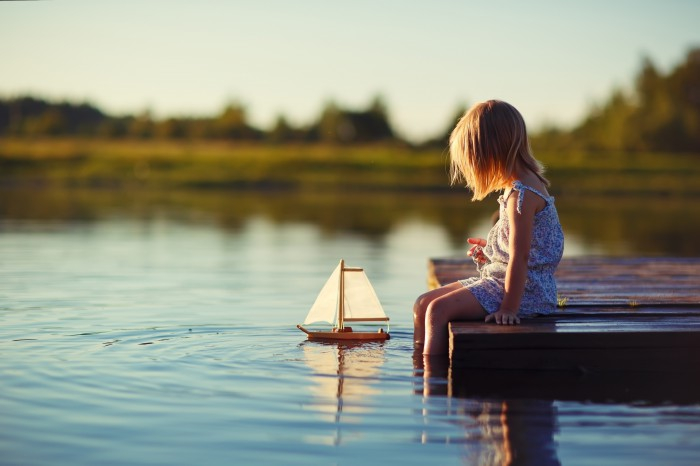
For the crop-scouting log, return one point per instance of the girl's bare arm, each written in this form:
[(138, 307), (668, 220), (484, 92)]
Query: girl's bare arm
[(520, 238)]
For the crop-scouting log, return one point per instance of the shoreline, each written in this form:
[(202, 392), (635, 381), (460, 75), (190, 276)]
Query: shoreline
[(217, 165)]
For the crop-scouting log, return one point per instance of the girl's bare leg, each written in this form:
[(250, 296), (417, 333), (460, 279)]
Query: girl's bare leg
[(421, 307), (458, 304)]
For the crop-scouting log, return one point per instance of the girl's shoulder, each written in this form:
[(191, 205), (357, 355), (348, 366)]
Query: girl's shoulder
[(536, 197)]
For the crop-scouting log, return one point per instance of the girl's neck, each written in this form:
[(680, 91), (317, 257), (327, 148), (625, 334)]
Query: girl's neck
[(529, 178)]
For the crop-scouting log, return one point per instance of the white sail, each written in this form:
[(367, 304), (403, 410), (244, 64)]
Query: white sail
[(326, 305), (360, 304), (361, 301)]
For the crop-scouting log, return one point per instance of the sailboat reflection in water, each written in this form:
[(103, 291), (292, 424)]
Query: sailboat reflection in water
[(342, 388), (347, 296)]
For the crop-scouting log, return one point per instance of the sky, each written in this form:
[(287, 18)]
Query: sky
[(553, 60)]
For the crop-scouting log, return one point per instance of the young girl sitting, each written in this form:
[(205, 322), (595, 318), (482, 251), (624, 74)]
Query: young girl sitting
[(490, 151)]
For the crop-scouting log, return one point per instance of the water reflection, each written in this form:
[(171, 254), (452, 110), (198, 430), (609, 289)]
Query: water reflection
[(512, 417), (497, 431), (342, 389), (601, 225)]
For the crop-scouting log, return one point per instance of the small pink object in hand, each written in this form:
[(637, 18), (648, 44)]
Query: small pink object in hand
[(476, 252)]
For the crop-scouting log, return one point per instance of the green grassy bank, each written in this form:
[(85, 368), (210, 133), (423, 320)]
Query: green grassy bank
[(206, 164)]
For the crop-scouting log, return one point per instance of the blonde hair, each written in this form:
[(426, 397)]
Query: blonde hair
[(485, 146)]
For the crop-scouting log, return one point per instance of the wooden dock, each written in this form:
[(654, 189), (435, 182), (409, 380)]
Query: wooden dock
[(616, 314)]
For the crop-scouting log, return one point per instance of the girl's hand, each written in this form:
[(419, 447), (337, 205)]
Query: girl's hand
[(503, 318), (476, 252)]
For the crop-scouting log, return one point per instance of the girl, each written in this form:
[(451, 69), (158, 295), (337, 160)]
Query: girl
[(490, 151)]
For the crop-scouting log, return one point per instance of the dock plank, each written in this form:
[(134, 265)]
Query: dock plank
[(588, 343), (604, 281), (617, 314)]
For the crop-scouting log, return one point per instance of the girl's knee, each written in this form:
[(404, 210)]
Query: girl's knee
[(435, 314), (456, 306), (427, 299), (421, 305)]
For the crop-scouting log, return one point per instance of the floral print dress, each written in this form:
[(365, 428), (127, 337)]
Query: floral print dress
[(540, 295)]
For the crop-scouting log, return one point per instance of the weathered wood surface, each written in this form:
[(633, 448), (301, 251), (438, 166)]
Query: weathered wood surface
[(618, 314), (604, 281), (581, 343)]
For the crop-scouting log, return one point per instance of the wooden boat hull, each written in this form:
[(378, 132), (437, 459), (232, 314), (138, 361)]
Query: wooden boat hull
[(349, 335)]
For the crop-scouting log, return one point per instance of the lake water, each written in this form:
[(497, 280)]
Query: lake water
[(154, 328)]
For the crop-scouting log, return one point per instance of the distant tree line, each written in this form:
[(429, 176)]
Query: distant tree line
[(659, 113), (30, 117)]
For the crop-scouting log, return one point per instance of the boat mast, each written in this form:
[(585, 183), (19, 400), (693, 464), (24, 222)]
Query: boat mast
[(341, 296)]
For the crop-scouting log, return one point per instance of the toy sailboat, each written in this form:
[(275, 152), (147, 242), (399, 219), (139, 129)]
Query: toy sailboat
[(347, 296)]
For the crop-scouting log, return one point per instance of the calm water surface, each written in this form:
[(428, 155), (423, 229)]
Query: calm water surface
[(161, 330)]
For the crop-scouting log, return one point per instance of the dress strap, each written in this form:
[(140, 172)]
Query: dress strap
[(521, 188)]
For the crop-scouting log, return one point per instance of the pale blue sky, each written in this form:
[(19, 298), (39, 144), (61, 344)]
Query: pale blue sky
[(551, 59)]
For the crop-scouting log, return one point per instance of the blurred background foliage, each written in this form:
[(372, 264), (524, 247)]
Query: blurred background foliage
[(33, 117), (658, 112), (644, 140)]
